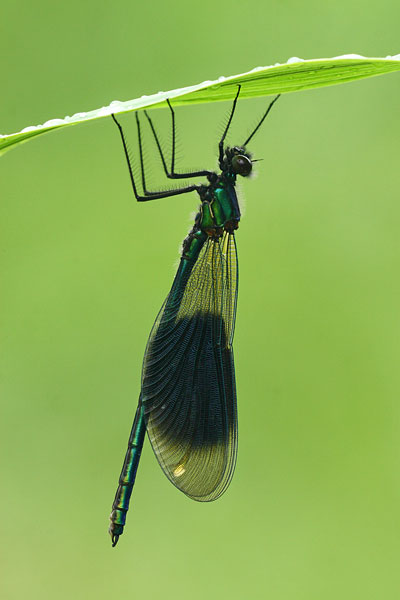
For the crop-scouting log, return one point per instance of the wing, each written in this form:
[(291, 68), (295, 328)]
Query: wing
[(188, 379)]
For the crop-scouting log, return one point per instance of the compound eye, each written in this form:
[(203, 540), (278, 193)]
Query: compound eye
[(241, 165)]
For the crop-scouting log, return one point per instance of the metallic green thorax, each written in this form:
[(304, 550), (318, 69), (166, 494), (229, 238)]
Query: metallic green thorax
[(219, 212)]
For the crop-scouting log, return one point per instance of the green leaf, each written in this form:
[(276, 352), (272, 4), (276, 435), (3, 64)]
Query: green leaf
[(295, 75)]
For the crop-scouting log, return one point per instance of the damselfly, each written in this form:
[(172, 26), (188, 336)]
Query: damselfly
[(187, 402)]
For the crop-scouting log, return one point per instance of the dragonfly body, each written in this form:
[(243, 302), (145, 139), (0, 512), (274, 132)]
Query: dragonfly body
[(187, 402)]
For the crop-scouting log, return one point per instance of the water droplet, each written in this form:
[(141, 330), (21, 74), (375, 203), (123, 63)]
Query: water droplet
[(294, 59)]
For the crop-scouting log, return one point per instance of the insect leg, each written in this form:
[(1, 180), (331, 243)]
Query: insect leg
[(172, 174), (262, 120), (147, 195), (221, 143)]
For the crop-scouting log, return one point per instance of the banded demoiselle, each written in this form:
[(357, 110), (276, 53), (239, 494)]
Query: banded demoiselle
[(187, 402)]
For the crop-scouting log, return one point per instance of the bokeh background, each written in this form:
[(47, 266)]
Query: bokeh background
[(313, 509)]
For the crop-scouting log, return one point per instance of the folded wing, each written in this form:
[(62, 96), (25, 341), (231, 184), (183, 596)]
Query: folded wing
[(188, 379)]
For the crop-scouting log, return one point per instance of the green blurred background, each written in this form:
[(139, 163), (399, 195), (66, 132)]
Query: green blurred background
[(313, 509)]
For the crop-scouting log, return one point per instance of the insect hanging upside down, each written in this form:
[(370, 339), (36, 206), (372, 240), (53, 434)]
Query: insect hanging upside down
[(187, 402)]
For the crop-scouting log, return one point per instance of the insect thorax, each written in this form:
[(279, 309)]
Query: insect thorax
[(218, 212)]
